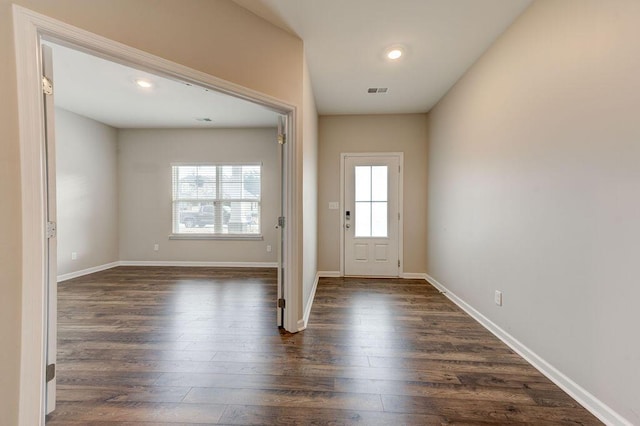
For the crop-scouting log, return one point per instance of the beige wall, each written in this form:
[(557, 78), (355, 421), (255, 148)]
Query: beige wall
[(214, 36), (534, 190), (86, 192), (105, 222), (144, 175), (310, 193), (11, 247), (373, 133)]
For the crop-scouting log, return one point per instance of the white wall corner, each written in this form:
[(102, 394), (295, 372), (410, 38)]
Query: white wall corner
[(598, 408), (302, 324)]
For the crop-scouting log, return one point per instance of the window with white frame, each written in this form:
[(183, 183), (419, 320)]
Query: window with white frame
[(216, 199)]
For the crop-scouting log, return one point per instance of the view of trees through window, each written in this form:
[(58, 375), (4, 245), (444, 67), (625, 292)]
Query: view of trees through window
[(216, 199)]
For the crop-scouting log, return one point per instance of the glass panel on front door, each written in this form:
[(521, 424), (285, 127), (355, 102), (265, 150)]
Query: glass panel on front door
[(371, 201)]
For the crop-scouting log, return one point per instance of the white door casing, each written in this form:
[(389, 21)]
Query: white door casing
[(52, 240), (282, 140), (371, 213)]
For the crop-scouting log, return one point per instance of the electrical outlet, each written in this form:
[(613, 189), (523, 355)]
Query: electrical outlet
[(74, 255), (269, 248), (498, 298), (156, 247)]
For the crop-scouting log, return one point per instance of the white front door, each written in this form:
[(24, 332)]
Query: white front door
[(371, 214)]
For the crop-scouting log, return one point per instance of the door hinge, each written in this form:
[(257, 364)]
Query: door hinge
[(398, 263), (51, 372), (52, 230), (281, 221), (281, 303), (47, 87), (282, 138)]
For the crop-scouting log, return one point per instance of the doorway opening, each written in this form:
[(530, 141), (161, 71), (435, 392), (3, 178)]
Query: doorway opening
[(38, 230)]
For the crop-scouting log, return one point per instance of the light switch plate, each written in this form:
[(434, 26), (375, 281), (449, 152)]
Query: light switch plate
[(334, 205)]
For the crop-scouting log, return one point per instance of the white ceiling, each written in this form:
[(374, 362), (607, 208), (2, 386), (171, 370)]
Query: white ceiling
[(344, 44), (106, 91), (345, 40)]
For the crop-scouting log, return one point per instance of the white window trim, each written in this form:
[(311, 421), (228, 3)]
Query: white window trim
[(214, 236)]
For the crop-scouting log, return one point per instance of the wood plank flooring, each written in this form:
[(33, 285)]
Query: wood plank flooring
[(188, 346)]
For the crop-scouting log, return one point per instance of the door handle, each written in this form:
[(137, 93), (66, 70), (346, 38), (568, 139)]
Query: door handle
[(347, 226)]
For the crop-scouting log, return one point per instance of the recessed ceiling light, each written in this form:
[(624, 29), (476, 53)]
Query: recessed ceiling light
[(394, 52), (145, 84)]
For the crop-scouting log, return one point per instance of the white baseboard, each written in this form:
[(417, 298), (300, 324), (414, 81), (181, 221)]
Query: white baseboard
[(76, 274), (198, 264), (329, 274), (413, 276), (65, 277), (302, 324), (404, 275), (577, 392)]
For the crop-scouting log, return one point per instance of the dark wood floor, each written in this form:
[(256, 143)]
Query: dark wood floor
[(199, 346)]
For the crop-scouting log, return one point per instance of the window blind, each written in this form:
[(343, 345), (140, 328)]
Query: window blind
[(217, 199)]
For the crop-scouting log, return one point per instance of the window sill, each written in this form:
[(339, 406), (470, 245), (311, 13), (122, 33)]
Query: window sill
[(223, 237)]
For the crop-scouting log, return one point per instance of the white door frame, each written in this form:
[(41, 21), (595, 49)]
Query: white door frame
[(51, 256), (400, 155), (29, 27)]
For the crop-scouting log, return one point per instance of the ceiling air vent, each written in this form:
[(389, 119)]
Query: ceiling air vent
[(204, 119), (377, 90)]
